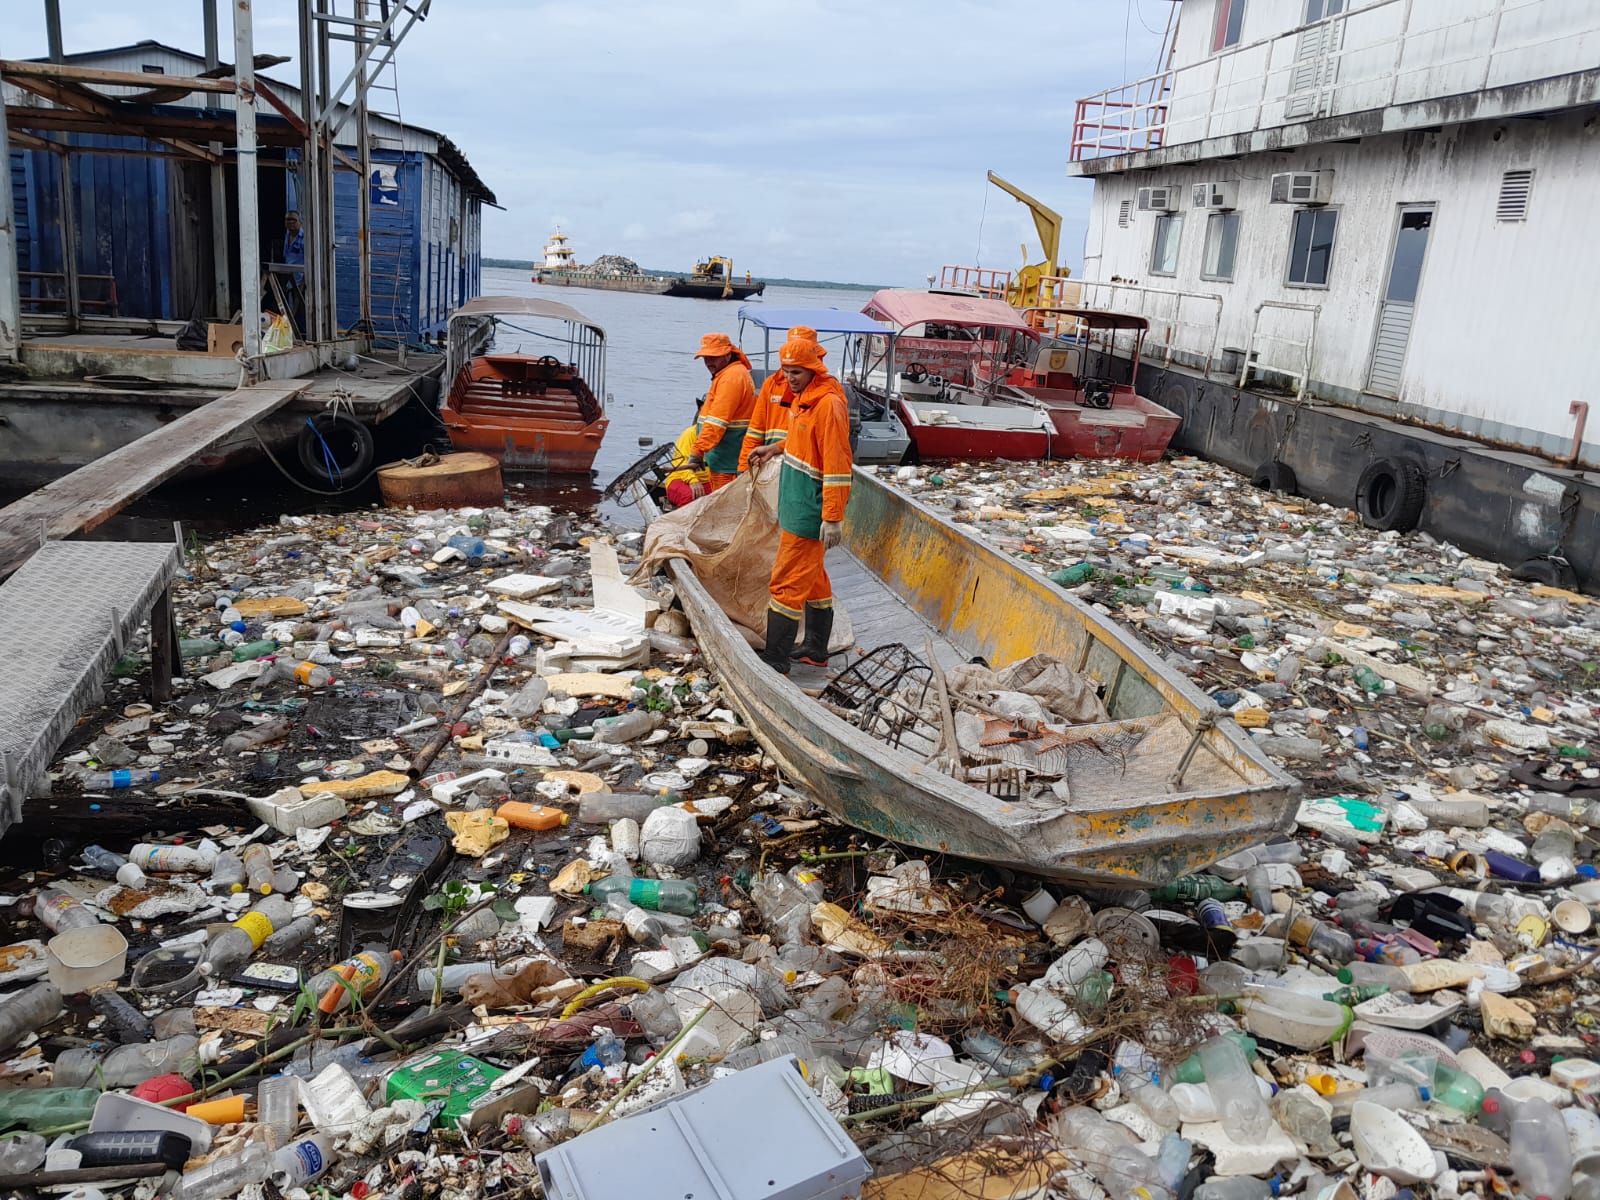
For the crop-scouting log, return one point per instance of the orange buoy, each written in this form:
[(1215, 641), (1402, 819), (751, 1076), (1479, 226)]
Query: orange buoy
[(460, 480)]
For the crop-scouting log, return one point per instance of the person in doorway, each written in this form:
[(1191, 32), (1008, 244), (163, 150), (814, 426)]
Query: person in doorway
[(813, 488), (685, 485), (294, 286), (769, 419), (726, 413)]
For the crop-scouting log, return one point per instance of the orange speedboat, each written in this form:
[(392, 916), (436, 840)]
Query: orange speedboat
[(527, 383)]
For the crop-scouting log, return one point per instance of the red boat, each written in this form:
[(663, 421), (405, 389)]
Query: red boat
[(533, 411), (1094, 417), (944, 339)]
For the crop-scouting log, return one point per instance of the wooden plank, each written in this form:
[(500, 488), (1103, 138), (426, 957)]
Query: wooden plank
[(58, 71), (91, 494)]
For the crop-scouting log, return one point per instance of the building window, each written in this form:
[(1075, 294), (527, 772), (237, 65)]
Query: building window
[(1222, 240), (1311, 250), (1230, 24), (1515, 188), (1316, 10), (1164, 249), (1124, 213)]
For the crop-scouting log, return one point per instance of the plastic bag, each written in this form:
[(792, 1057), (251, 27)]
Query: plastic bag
[(276, 332)]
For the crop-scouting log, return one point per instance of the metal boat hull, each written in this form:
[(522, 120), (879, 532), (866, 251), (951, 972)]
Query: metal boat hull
[(712, 289), (987, 604)]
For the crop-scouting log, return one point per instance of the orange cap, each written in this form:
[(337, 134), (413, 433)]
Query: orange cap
[(797, 352), (713, 345)]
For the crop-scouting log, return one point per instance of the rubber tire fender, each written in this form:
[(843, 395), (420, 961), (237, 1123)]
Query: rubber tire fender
[(1550, 570), (1390, 495), (339, 430), (1275, 476)]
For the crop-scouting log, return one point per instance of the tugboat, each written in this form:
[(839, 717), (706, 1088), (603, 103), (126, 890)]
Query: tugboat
[(558, 255), (713, 280)]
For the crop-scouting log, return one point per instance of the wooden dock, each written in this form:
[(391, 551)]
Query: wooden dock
[(95, 492)]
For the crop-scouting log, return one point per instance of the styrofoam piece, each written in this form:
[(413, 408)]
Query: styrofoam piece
[(524, 587), (759, 1134), (611, 592), (1392, 1011), (289, 810), (447, 791), (118, 1112), (535, 911), (595, 630)]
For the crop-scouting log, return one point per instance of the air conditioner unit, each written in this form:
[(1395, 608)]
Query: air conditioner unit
[(1221, 195), (1302, 187), (1158, 199)]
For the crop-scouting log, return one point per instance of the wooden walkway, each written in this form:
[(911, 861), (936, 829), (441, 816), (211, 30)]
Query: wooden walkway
[(101, 489)]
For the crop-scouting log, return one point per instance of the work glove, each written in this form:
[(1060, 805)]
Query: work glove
[(832, 534)]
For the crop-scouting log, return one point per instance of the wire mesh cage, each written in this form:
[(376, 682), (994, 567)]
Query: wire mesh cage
[(887, 694)]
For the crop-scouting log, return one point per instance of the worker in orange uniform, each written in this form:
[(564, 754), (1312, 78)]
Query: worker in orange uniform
[(769, 420), (726, 413), (813, 488)]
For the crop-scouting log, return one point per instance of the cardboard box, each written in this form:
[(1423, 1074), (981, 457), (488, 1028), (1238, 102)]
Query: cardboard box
[(224, 341)]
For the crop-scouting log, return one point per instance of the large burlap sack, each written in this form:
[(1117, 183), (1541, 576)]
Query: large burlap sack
[(730, 538)]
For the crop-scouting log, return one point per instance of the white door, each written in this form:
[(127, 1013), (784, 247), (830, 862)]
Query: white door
[(1399, 302)]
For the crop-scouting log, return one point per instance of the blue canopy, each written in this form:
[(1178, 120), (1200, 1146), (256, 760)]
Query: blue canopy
[(823, 320)]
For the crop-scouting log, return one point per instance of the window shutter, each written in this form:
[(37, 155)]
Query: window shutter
[(1515, 188), (1124, 213)]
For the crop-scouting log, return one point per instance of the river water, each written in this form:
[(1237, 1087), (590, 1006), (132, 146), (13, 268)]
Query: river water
[(652, 377)]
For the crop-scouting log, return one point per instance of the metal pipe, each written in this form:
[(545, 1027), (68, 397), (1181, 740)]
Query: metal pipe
[(69, 241), (328, 279), (10, 297), (52, 29), (315, 318), (364, 151), (1579, 409), (221, 269), (244, 53)]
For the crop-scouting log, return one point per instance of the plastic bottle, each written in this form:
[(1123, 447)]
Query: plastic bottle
[(1374, 974), (59, 911), (1323, 938), (122, 1016), (1140, 1079), (356, 977), (662, 895), (233, 947), (1583, 812), (129, 1066), (46, 1108), (474, 548), (227, 1175), (1258, 886), (28, 1011), (1196, 887), (291, 935), (1398, 1096), (1240, 1109), (1541, 1154), (112, 780), (983, 1046), (625, 728), (278, 1108), (258, 868), (21, 1153), (606, 1051), (253, 736), (228, 871), (1368, 680), (1195, 1103), (521, 815), (250, 651), (1192, 1069), (598, 808), (306, 674), (301, 1162), (1446, 1085), (656, 1015), (1468, 814), (101, 861), (784, 906), (173, 860)]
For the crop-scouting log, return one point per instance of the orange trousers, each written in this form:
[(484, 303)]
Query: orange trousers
[(798, 576), (719, 480)]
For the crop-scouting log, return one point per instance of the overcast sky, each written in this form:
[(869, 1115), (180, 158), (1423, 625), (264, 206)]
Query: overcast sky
[(820, 139)]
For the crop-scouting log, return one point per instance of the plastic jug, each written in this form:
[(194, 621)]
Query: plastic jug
[(1240, 1108), (1541, 1154), (521, 815)]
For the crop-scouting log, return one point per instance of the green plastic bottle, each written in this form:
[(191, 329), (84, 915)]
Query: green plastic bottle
[(1197, 887), (198, 647), (250, 651), (46, 1108), (1356, 994), (1072, 576), (659, 895)]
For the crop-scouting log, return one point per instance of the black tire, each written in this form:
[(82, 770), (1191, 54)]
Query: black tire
[(349, 441), (1390, 495), (1549, 570), (1274, 476)]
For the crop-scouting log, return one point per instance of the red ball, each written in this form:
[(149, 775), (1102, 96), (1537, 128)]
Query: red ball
[(164, 1087)]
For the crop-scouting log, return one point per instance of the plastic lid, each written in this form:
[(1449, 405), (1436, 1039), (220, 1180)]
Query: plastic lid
[(1346, 975), (1426, 1094), (1491, 1104)]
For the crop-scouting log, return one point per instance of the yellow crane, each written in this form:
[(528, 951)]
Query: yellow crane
[(1026, 287)]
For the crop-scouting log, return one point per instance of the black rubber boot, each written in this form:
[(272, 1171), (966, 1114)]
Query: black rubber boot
[(781, 631), (819, 628)]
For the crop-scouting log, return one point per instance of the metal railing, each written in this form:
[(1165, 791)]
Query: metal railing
[(1170, 312), (1351, 62), (37, 288), (1253, 359), (985, 281)]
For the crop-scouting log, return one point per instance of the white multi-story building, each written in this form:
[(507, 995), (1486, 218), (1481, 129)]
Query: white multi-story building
[(1385, 204)]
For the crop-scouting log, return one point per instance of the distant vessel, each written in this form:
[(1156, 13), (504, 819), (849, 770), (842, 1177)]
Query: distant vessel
[(712, 278)]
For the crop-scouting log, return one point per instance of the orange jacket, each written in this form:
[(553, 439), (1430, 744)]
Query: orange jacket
[(769, 419), (725, 416), (814, 485)]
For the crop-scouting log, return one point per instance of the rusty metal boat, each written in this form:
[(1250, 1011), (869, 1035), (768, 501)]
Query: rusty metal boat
[(526, 383), (1168, 785)]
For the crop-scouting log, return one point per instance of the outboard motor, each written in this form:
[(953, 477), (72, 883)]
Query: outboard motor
[(1096, 393)]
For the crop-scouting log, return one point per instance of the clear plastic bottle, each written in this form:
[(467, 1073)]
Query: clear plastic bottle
[(1446, 1085), (1005, 1060), (1235, 865), (607, 1050), (233, 947), (625, 728), (1374, 974), (254, 736), (1323, 938), (809, 882), (258, 868), (291, 935), (660, 895), (302, 1161), (100, 781), (278, 1108), (656, 1015), (784, 906), (1468, 814), (227, 1175), (1398, 1096), (1258, 886), (1231, 1082), (599, 808), (1197, 1105), (28, 1011), (1541, 1154), (228, 871), (100, 861), (306, 674), (21, 1153), (1235, 1187), (59, 911), (129, 1066)]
